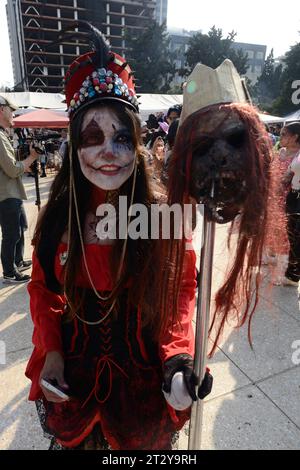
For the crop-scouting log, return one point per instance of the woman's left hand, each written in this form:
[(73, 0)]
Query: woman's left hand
[(184, 363), (181, 363)]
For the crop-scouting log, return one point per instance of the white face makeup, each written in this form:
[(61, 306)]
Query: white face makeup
[(106, 153)]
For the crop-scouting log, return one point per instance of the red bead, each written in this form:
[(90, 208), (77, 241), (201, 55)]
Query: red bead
[(103, 86)]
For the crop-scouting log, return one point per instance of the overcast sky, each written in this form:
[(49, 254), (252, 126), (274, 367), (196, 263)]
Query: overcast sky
[(266, 22), (275, 24)]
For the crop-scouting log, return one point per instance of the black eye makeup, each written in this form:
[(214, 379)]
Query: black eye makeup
[(123, 138)]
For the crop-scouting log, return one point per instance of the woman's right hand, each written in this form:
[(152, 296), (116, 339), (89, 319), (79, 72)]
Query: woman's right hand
[(54, 370)]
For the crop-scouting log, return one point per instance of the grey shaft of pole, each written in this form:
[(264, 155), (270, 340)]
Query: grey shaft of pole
[(202, 327)]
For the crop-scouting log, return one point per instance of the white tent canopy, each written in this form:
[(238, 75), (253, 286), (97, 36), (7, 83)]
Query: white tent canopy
[(149, 104), (268, 119), (34, 100), (293, 116), (155, 103)]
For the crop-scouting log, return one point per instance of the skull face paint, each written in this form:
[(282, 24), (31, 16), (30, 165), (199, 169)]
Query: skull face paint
[(106, 152), (219, 161)]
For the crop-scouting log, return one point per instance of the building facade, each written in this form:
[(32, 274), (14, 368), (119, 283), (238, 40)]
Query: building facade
[(179, 40), (256, 58), (161, 11), (40, 65)]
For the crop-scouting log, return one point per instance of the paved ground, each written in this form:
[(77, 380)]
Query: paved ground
[(255, 403)]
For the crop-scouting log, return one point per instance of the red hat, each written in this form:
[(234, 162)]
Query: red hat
[(99, 75)]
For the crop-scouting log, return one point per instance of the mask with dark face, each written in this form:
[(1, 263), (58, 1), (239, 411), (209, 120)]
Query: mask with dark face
[(218, 175), (221, 159)]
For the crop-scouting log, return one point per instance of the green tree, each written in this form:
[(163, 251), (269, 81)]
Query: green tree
[(267, 87), (291, 73), (150, 58), (212, 49)]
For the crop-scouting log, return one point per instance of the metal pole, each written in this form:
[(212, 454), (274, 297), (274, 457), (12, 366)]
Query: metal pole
[(202, 326), (37, 186)]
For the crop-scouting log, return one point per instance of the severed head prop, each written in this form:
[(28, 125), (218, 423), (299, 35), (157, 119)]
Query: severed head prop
[(221, 159), (223, 136)]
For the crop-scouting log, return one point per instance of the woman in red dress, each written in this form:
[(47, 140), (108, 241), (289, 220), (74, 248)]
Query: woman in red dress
[(98, 335)]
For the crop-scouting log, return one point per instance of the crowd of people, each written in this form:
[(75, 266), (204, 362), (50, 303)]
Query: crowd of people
[(113, 317), (283, 235)]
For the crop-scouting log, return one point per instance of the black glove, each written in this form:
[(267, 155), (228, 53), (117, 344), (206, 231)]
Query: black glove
[(181, 363), (206, 386)]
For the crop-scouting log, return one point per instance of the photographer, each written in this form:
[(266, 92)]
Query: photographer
[(12, 192)]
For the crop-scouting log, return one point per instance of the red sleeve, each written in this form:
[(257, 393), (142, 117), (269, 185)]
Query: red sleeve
[(179, 338), (46, 309)]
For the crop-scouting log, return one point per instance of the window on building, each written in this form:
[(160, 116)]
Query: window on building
[(260, 55), (250, 54), (258, 69), (178, 80)]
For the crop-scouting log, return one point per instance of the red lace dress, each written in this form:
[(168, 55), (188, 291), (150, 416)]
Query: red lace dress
[(114, 370)]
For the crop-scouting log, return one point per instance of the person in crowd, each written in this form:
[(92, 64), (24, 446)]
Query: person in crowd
[(271, 135), (64, 144), (276, 254), (154, 131), (277, 130), (290, 142), (43, 159), (171, 137), (158, 149), (144, 132), (157, 159), (173, 113), (161, 132), (152, 122), (12, 193)]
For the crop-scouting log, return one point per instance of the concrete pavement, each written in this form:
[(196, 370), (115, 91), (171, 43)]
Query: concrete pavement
[(255, 403)]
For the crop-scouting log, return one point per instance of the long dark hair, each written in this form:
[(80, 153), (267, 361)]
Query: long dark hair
[(54, 221)]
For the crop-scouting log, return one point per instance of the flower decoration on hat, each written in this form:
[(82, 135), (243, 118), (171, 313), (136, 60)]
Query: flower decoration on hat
[(98, 75)]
